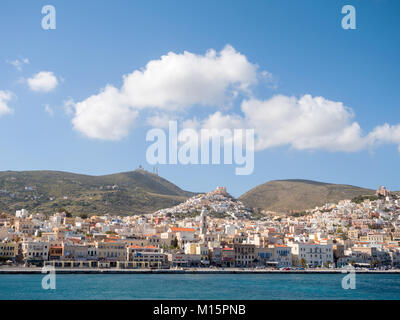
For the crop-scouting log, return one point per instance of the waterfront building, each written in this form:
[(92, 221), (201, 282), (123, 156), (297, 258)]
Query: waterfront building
[(312, 254), (8, 250), (244, 254), (35, 252), (111, 251), (76, 252), (146, 257)]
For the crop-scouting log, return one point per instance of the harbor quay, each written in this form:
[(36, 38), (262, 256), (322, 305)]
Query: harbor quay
[(38, 270)]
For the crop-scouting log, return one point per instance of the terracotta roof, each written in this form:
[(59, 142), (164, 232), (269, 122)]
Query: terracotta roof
[(182, 229), (144, 247)]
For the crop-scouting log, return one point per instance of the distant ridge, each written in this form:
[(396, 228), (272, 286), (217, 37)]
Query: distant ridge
[(134, 192), (294, 195), (140, 191)]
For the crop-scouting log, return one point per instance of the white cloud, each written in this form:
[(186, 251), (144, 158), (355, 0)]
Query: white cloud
[(173, 83), (305, 123), (168, 87), (159, 120), (43, 81), (69, 106), (104, 116), (49, 110), (385, 134), (182, 80), (18, 63), (308, 123), (5, 97)]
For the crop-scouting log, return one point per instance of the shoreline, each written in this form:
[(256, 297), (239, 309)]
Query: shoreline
[(24, 270)]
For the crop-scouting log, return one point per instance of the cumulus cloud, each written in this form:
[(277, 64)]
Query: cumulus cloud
[(182, 80), (104, 116), (305, 123), (5, 97), (174, 82), (385, 134), (43, 81), (168, 87)]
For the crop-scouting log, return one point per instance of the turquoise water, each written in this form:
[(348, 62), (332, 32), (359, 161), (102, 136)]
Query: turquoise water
[(200, 286)]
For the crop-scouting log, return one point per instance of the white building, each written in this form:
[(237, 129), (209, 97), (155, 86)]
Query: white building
[(22, 214), (34, 251), (312, 254)]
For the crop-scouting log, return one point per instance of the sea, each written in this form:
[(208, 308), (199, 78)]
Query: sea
[(200, 286)]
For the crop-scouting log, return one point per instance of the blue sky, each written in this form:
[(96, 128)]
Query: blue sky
[(301, 44)]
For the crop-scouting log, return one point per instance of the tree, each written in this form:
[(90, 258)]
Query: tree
[(303, 262), (174, 243)]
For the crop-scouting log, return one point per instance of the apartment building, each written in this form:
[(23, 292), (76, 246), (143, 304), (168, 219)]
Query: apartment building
[(8, 250), (26, 227), (146, 257), (312, 254), (76, 252), (277, 256), (199, 249), (282, 255), (227, 257), (244, 254), (35, 251), (111, 250)]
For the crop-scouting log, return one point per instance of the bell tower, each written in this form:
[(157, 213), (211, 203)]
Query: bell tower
[(203, 221)]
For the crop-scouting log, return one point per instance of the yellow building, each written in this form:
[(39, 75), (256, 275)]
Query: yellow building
[(25, 227), (111, 250), (8, 250)]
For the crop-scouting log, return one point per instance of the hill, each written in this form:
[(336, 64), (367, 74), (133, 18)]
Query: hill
[(297, 195), (126, 193), (218, 203)]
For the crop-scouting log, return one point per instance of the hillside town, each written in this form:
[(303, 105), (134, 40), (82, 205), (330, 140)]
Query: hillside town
[(210, 230)]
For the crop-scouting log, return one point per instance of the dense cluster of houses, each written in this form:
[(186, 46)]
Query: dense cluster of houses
[(364, 233)]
